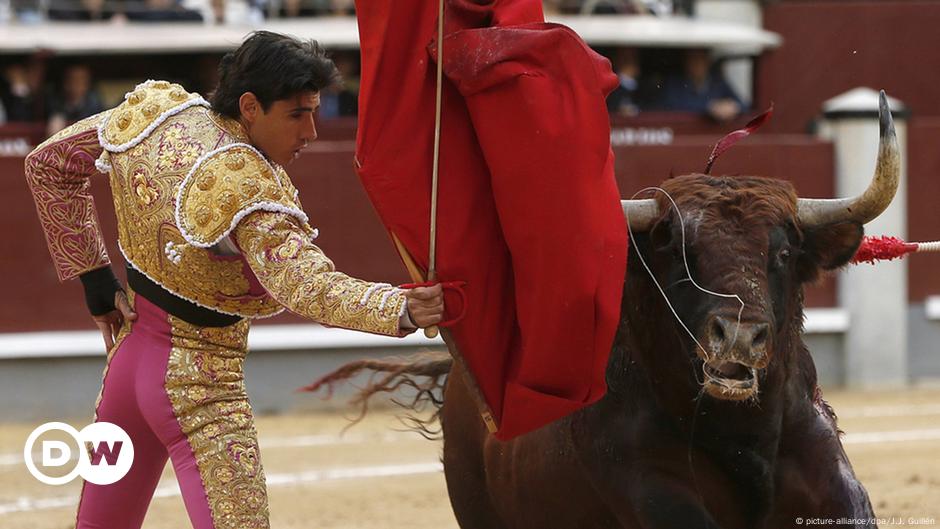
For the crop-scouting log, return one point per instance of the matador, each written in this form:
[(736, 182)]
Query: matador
[(213, 235)]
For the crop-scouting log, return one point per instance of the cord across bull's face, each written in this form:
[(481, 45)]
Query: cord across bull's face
[(731, 255)]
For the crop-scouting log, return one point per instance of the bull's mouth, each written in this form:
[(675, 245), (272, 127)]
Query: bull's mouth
[(729, 380)]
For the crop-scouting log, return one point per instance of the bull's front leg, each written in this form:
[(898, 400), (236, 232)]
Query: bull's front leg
[(816, 480), (660, 501), (641, 494), (642, 475)]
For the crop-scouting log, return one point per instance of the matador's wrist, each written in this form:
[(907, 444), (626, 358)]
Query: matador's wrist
[(100, 286), (405, 322)]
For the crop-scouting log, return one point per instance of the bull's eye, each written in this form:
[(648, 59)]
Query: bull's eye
[(783, 257)]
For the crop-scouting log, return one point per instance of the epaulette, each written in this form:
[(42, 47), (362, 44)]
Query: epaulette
[(224, 186), (143, 110)]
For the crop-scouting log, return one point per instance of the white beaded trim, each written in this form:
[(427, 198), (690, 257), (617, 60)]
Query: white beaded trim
[(172, 251), (193, 301), (101, 165), (403, 311), (371, 290), (110, 147), (273, 207), (386, 296)]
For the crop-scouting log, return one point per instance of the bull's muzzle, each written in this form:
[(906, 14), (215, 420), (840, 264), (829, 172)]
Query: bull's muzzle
[(737, 351), (745, 343)]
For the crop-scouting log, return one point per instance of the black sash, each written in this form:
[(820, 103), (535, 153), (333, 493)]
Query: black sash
[(175, 305)]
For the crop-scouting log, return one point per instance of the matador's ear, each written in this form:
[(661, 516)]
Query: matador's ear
[(249, 107)]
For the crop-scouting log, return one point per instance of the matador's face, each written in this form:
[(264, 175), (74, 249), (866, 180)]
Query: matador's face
[(283, 131)]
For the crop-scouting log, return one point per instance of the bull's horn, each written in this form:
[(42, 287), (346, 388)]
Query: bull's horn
[(640, 213), (880, 192)]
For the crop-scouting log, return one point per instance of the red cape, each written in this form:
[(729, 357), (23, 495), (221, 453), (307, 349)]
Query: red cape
[(528, 211)]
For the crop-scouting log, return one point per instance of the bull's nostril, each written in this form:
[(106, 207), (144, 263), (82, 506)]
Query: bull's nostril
[(760, 337), (718, 331)]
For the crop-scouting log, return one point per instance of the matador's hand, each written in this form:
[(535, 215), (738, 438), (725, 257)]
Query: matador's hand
[(110, 323), (425, 305)]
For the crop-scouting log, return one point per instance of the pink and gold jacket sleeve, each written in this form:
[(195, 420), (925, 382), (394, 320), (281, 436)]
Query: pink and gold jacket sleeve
[(278, 248), (58, 173), (235, 194)]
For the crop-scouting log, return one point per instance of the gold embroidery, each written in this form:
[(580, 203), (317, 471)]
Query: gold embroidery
[(277, 247), (232, 126), (178, 149), (223, 185), (141, 107), (146, 192), (198, 265), (58, 173), (144, 182), (205, 385)]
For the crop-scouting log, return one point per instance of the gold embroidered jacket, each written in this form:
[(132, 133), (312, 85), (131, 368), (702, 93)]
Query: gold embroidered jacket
[(199, 211)]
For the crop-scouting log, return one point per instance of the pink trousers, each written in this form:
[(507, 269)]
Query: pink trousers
[(179, 393)]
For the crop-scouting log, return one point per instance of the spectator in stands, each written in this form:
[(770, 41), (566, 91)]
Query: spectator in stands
[(551, 7), (76, 101), (19, 87), (26, 11), (343, 7), (305, 8), (342, 99), (612, 7), (297, 8), (82, 10), (700, 89), (217, 9), (623, 100), (162, 11)]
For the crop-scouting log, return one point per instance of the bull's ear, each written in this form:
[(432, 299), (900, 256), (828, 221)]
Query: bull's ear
[(828, 247)]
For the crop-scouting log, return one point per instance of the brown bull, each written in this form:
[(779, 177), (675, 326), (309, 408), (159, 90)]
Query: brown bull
[(715, 424)]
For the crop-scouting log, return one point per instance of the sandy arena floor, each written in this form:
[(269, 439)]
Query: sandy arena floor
[(375, 478)]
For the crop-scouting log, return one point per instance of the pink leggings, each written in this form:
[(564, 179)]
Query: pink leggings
[(178, 391)]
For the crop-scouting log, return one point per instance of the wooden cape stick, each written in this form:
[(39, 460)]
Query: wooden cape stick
[(432, 331), (416, 274), (418, 277)]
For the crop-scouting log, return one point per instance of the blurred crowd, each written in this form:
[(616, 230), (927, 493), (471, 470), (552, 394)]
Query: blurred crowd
[(694, 85), (31, 11), (37, 90), (31, 91), (213, 11), (25, 97)]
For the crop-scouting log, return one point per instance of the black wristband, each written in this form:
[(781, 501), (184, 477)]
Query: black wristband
[(100, 287)]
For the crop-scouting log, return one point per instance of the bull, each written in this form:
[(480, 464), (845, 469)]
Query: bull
[(713, 417)]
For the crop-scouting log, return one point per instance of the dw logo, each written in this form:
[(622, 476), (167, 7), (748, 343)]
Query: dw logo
[(107, 456)]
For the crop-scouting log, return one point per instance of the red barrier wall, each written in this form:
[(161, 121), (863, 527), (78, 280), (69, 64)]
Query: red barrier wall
[(923, 193), (832, 47), (350, 230)]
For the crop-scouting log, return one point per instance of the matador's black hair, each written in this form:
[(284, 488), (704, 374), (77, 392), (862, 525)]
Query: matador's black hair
[(272, 67)]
